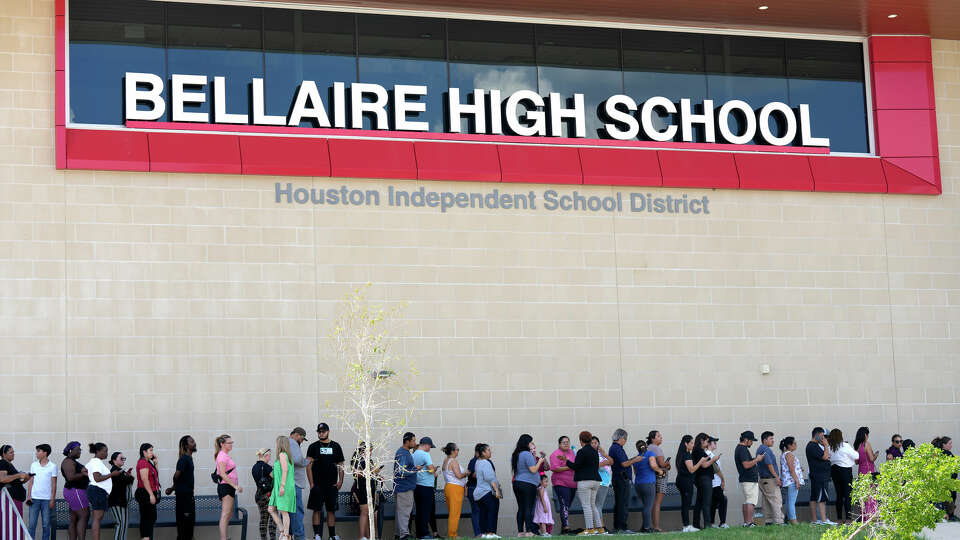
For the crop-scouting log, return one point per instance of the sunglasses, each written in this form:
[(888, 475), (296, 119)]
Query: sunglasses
[(897, 442), (122, 458)]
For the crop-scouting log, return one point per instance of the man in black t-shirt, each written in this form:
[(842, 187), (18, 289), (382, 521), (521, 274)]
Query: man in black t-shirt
[(818, 459), (185, 507), (748, 475), (325, 475)]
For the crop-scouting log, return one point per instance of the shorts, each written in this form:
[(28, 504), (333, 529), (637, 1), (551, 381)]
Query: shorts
[(818, 489), (321, 496), (224, 490), (662, 484), (751, 492), (97, 497), (76, 498), (360, 491)]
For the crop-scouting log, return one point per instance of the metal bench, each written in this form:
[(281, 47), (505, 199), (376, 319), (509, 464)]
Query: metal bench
[(208, 514), (388, 506), (671, 501)]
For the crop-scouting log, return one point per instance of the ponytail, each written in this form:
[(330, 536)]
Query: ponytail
[(786, 442), (96, 447), (641, 447), (218, 444)]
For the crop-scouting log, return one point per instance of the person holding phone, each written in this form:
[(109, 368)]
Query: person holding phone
[(564, 486), (120, 496), (748, 474), (148, 490), (42, 491), (487, 492), (101, 485), (703, 478), (12, 479), (654, 441), (526, 480), (818, 459), (685, 479)]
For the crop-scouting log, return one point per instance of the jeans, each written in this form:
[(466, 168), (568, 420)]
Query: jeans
[(790, 504), (40, 509), (647, 493), (587, 494), (489, 512), (704, 502), (621, 501), (296, 518), (718, 505), (423, 499), (404, 500), (474, 511), (526, 494), (685, 486), (842, 478), (186, 512), (564, 496)]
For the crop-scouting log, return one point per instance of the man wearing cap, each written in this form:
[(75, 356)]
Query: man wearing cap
[(297, 436), (423, 494), (325, 475), (404, 483), (770, 481), (747, 472)]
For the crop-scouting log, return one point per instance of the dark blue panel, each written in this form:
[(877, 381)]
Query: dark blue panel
[(390, 71), (837, 110), (96, 78), (596, 85), (239, 68), (507, 79), (285, 71)]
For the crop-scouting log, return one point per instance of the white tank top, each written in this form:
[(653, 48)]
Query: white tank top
[(451, 478)]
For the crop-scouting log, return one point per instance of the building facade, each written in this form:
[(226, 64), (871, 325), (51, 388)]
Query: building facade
[(162, 277)]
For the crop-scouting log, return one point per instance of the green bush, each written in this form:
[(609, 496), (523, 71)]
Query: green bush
[(905, 493)]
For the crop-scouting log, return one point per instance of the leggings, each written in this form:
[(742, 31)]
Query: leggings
[(121, 515), (587, 494), (719, 505), (526, 494), (564, 496), (685, 486), (704, 502), (268, 528), (148, 512), (842, 478), (647, 493)]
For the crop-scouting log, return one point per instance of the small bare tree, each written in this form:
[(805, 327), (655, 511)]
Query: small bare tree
[(378, 396)]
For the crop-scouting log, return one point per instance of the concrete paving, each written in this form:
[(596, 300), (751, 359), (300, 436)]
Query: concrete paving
[(944, 531)]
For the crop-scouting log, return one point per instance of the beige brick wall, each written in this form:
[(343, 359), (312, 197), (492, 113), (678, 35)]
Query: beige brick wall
[(138, 307)]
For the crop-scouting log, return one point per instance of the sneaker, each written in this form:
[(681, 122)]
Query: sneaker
[(585, 532), (689, 528), (827, 522), (724, 526), (625, 531)]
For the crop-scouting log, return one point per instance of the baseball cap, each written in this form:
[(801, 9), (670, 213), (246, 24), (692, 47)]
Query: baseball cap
[(712, 439), (747, 436), (300, 431), (322, 426), (427, 440)]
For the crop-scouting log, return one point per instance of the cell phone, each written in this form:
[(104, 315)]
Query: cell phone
[(30, 502), (667, 460), (32, 474)]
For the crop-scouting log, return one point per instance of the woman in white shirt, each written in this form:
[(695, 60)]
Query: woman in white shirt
[(843, 458), (101, 483), (455, 488)]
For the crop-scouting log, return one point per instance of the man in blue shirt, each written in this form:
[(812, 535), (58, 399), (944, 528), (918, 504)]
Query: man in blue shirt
[(404, 482), (622, 475), (423, 493), (770, 481)]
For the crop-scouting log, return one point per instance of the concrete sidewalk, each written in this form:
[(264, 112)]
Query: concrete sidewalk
[(944, 531)]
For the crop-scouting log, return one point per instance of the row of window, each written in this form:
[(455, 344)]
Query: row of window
[(284, 46)]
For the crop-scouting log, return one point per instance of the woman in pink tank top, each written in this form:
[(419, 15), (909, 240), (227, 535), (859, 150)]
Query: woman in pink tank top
[(866, 465)]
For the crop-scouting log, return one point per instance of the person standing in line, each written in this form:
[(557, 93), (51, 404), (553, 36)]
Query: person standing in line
[(325, 476), (229, 481), (297, 437), (101, 485), (818, 460), (361, 491), (685, 479), (526, 480), (404, 482), (896, 448), (543, 513), (454, 490), (645, 471), (185, 508), (471, 486), (606, 480), (564, 487), (843, 458), (945, 444), (283, 497), (654, 441), (263, 479), (586, 474), (621, 478), (908, 444), (13, 480), (121, 495), (718, 503), (866, 465), (75, 490), (704, 481), (148, 490), (748, 475), (770, 481), (423, 493), (488, 493), (41, 491), (791, 476)]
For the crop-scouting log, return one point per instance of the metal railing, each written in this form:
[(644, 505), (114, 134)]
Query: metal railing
[(13, 527)]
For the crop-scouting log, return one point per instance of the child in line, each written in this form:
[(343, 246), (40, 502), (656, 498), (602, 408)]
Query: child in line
[(543, 513)]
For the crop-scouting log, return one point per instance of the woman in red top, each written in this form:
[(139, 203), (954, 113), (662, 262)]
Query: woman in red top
[(148, 490)]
